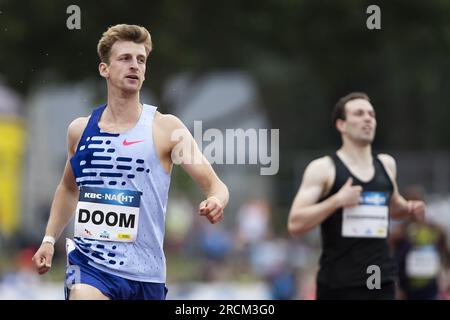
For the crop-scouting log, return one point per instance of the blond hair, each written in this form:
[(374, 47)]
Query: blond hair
[(123, 32)]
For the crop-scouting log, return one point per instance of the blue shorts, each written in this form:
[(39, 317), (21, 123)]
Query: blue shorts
[(114, 287)]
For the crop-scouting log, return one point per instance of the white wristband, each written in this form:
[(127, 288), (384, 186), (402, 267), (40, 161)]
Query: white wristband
[(49, 239)]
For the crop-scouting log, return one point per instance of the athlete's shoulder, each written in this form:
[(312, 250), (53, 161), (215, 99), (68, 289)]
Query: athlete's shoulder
[(168, 121), (78, 125), (324, 163), (321, 168), (75, 130), (389, 164), (387, 160)]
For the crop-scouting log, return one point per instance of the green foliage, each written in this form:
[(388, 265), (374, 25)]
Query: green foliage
[(304, 55)]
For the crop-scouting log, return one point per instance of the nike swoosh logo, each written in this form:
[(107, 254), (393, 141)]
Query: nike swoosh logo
[(127, 143)]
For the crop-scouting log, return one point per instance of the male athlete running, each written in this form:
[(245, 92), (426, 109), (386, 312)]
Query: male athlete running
[(351, 194), (116, 181)]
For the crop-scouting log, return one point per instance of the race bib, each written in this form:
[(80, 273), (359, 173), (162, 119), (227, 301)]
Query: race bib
[(370, 219), (423, 262), (107, 214)]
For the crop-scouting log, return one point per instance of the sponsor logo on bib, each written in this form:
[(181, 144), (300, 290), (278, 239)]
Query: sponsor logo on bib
[(369, 219), (107, 214)]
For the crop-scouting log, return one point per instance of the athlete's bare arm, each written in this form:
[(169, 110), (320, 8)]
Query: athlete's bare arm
[(399, 207), (64, 200), (306, 212), (179, 147)]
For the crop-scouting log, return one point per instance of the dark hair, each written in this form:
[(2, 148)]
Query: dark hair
[(339, 108)]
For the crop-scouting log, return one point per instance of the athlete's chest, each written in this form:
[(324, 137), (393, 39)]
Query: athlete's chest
[(363, 173)]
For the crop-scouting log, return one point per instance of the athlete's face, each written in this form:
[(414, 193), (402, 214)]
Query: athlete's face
[(126, 68), (360, 122)]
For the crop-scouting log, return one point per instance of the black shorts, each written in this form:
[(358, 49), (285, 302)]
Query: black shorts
[(386, 292)]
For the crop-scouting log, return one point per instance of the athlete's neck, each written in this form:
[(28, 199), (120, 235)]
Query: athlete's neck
[(356, 154), (122, 108)]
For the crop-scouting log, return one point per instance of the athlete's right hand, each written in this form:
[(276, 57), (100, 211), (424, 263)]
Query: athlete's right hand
[(348, 195), (43, 257)]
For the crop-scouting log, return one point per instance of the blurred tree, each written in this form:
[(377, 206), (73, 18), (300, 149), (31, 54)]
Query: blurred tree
[(303, 54)]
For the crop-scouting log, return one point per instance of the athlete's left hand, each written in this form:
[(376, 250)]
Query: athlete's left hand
[(416, 210), (212, 209)]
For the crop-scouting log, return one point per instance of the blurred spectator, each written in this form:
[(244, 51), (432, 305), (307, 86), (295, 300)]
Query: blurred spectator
[(283, 285), (179, 220), (216, 244), (253, 221), (270, 260), (422, 254), (23, 278)]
